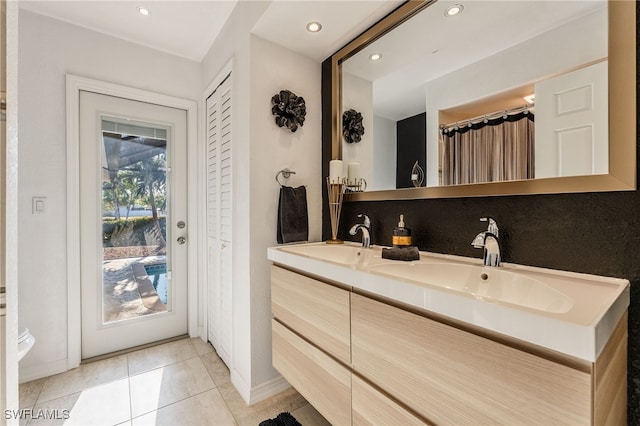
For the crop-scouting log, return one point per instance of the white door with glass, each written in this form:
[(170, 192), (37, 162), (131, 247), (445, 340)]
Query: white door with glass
[(133, 230)]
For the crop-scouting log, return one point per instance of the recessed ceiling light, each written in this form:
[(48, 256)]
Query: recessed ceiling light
[(314, 27), (453, 10), (375, 56), (530, 99), (144, 11)]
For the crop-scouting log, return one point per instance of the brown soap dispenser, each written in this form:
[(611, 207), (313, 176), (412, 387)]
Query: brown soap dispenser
[(401, 235)]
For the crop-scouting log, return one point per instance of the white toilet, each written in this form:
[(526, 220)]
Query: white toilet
[(25, 342)]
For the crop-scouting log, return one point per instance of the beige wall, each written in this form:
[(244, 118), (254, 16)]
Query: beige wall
[(273, 148)]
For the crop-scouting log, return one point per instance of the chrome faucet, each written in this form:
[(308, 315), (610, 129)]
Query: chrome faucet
[(365, 228), (489, 242)]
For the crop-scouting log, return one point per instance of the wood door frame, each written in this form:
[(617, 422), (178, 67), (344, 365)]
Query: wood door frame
[(75, 84)]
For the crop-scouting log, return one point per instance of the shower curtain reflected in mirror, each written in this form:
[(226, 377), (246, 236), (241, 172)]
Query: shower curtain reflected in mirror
[(493, 150)]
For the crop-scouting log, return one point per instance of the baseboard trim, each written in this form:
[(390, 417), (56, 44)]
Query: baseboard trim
[(268, 389), (253, 395), (38, 371), (241, 386)]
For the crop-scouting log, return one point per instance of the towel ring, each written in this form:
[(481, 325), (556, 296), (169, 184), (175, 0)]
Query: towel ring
[(286, 173)]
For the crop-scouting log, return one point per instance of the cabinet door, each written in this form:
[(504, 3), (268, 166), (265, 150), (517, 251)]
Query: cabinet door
[(321, 380), (371, 407), (315, 310), (450, 376)]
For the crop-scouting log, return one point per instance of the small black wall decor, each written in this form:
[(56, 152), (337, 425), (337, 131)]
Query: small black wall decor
[(289, 109), (352, 127)]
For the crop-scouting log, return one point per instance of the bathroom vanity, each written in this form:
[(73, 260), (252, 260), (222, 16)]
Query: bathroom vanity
[(445, 340)]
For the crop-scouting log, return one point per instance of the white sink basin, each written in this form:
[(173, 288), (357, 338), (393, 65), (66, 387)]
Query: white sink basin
[(337, 253), (482, 282), (563, 311)]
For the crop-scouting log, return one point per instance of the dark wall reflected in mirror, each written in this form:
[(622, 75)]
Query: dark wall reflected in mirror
[(410, 148)]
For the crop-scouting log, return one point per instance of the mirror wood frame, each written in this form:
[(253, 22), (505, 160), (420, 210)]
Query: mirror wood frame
[(622, 117)]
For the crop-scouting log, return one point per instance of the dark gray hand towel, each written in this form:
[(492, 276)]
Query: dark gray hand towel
[(293, 219), (401, 253)]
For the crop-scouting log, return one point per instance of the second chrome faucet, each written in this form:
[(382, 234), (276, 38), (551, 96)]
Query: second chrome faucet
[(365, 228), (489, 241)]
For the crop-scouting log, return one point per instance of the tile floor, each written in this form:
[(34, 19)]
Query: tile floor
[(179, 383)]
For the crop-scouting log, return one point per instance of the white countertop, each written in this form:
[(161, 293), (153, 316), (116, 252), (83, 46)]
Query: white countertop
[(582, 331)]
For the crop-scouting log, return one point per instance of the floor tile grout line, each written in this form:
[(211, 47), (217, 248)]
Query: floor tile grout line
[(175, 402), (130, 400), (129, 383), (80, 391), (208, 372), (220, 359), (226, 403), (164, 365), (35, 402), (161, 366), (217, 386), (83, 389)]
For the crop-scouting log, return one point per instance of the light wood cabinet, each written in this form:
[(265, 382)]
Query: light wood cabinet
[(450, 376), (315, 310), (363, 361), (320, 379), (372, 407)]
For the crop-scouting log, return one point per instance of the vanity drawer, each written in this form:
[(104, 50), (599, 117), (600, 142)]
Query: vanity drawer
[(371, 407), (316, 310), (449, 376), (320, 379)]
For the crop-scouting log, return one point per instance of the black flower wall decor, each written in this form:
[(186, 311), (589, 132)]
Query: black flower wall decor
[(352, 127), (289, 110)]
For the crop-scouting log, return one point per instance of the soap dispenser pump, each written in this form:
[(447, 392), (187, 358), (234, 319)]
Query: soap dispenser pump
[(401, 234)]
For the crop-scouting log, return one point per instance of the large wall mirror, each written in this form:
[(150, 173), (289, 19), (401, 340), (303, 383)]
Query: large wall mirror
[(500, 98)]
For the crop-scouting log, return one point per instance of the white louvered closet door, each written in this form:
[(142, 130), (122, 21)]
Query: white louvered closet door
[(219, 218)]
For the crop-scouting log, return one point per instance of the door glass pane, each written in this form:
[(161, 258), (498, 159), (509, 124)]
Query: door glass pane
[(135, 202)]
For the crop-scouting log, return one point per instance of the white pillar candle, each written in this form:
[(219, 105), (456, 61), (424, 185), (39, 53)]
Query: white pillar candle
[(353, 173), (336, 172)]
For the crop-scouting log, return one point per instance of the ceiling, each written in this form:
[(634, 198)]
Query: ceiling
[(188, 28), (413, 56), (342, 20)]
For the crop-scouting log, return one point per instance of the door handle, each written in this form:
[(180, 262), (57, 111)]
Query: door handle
[(181, 240)]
